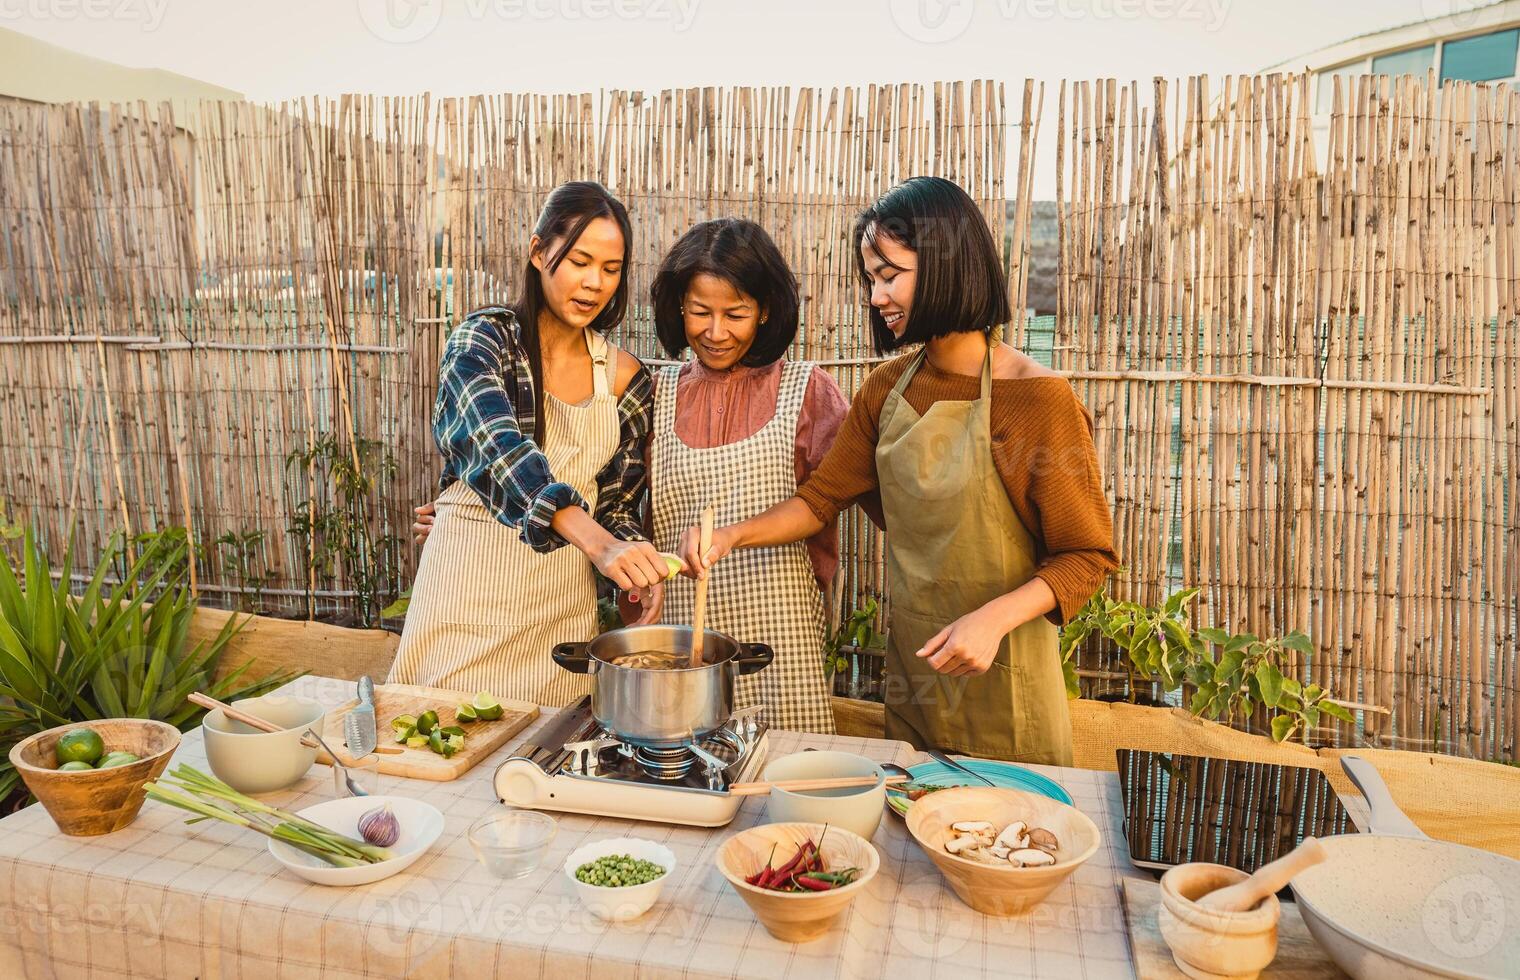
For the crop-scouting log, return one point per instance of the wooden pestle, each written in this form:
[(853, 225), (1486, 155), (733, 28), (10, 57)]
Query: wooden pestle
[(1268, 879)]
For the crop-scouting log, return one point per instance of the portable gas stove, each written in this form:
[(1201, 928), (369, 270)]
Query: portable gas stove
[(579, 767)]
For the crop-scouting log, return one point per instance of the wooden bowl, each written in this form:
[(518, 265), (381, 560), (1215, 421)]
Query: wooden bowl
[(796, 917), (97, 801), (991, 889)]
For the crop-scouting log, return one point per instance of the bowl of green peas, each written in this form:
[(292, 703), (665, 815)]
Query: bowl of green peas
[(620, 878)]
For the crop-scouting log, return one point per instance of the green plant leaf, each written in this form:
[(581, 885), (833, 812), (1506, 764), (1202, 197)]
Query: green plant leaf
[(1269, 681), (1228, 668), (1337, 711), (1293, 687), (1300, 642), (1282, 727), (1240, 641), (1214, 635)]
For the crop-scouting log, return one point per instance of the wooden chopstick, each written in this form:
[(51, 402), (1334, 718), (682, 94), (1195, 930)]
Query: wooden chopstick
[(699, 607), (803, 785), (254, 721)]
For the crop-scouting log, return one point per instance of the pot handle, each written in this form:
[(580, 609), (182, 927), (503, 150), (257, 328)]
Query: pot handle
[(753, 657), (1384, 815), (573, 657)]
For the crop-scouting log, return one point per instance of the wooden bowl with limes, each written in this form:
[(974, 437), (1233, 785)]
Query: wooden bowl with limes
[(89, 802)]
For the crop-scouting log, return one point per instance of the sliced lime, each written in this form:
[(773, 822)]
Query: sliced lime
[(404, 722), (486, 707), (466, 713), (426, 722), (417, 742), (405, 734)]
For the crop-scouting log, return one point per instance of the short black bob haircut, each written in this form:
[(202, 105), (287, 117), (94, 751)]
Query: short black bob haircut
[(743, 255), (961, 285)]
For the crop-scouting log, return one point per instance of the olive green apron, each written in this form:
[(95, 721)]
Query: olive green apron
[(954, 544)]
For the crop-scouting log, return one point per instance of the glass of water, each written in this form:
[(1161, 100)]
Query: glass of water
[(364, 772), (512, 843)]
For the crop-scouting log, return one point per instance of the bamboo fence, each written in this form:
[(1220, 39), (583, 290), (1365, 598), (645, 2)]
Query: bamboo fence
[(1302, 370)]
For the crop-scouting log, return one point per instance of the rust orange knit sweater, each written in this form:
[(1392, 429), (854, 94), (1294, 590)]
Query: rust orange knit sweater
[(1042, 446)]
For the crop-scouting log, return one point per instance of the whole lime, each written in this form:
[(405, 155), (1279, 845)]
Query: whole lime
[(76, 767), (80, 745), (116, 759)]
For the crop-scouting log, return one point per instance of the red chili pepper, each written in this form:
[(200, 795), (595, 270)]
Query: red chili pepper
[(796, 860), (815, 884), (754, 879)]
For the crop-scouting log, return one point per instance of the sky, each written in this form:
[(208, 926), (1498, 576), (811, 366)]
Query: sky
[(279, 49)]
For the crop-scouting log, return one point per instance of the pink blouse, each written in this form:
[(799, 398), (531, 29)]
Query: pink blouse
[(715, 408)]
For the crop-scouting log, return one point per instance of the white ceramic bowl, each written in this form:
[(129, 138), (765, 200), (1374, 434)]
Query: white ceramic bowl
[(857, 810), (630, 901), (421, 825), (251, 761)]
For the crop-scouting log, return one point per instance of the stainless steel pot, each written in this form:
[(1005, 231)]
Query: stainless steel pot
[(662, 708)]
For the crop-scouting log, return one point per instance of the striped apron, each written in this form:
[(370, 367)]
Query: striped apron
[(486, 608), (755, 595)]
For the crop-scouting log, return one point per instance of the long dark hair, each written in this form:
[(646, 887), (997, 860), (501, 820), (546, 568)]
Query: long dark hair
[(960, 286), (569, 209), (742, 254)]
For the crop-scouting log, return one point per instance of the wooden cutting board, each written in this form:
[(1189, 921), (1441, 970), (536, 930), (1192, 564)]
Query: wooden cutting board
[(1299, 957), (481, 738)]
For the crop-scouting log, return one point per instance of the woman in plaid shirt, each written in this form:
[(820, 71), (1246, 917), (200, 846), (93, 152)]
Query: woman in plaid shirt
[(542, 425)]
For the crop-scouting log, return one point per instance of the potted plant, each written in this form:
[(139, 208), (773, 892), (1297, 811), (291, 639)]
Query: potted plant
[(856, 653), (112, 651), (1232, 676)]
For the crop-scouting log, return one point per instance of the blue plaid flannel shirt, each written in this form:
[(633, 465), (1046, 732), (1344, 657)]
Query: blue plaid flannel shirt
[(484, 409)]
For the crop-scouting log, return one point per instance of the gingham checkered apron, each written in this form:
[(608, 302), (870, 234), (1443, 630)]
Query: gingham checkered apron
[(755, 595), (486, 608)]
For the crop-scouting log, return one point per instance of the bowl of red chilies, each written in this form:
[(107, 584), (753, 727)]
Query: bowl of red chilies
[(797, 877)]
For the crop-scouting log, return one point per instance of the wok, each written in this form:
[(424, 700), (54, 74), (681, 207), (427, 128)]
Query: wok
[(1394, 903)]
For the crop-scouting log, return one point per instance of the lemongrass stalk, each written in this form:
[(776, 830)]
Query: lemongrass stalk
[(198, 782), (201, 784), (312, 838)]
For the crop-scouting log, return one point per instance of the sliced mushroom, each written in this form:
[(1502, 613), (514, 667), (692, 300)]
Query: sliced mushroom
[(984, 856), (1031, 857), (1013, 836), (973, 827), (965, 842), (1044, 840), (1001, 853)]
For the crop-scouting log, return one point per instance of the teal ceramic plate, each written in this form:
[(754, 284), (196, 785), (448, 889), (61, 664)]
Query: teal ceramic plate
[(1005, 774)]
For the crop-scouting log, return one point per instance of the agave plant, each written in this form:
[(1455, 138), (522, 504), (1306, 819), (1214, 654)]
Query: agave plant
[(117, 651)]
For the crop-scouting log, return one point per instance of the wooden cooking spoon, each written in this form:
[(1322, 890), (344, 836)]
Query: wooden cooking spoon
[(699, 609), (1267, 880)]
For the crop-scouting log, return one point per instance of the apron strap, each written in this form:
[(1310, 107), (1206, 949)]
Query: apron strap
[(987, 371), (601, 363), (913, 366), (918, 361)]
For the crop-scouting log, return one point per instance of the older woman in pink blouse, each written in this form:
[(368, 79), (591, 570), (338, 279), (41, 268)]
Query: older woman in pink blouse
[(738, 428)]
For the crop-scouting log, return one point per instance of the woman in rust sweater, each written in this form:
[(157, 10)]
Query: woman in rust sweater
[(983, 465)]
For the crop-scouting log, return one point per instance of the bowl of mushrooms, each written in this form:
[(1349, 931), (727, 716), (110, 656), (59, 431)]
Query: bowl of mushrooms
[(1002, 850)]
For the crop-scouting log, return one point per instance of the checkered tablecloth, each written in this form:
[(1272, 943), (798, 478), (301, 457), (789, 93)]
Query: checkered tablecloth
[(168, 900)]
